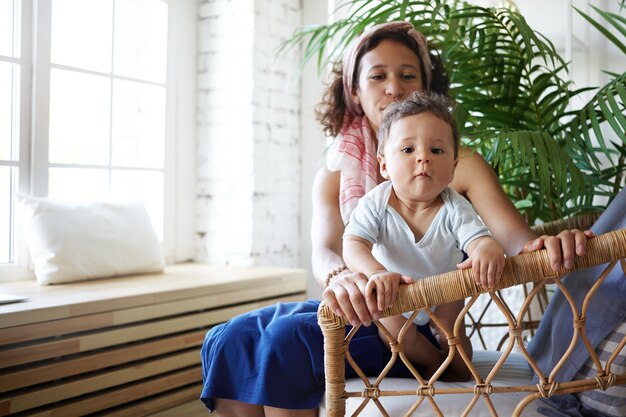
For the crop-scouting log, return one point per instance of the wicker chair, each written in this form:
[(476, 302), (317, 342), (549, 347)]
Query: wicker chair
[(478, 316), (534, 268)]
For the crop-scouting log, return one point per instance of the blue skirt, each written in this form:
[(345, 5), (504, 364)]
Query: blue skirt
[(274, 356)]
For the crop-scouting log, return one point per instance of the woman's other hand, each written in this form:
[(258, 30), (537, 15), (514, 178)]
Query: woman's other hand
[(562, 248)]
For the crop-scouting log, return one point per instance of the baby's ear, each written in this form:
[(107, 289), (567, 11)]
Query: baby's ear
[(383, 166)]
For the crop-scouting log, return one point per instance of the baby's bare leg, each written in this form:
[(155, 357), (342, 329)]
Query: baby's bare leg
[(393, 325), (448, 313), (417, 348)]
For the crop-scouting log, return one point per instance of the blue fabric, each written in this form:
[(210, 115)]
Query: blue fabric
[(275, 356), (553, 337)]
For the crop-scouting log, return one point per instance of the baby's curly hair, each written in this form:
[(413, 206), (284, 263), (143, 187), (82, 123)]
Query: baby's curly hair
[(418, 102)]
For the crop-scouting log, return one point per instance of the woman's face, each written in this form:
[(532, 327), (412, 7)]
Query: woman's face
[(390, 72)]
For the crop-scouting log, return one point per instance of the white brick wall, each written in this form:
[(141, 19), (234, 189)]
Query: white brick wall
[(249, 165)]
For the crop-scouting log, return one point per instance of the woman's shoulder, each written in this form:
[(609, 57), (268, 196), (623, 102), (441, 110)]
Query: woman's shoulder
[(471, 169), (325, 188), (470, 158), (326, 178)]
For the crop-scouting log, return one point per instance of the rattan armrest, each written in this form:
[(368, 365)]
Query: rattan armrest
[(519, 269)]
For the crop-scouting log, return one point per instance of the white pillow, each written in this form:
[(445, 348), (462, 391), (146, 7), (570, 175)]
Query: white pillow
[(76, 241)]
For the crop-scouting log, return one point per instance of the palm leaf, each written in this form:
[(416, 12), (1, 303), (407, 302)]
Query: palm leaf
[(617, 21), (608, 104), (513, 102)]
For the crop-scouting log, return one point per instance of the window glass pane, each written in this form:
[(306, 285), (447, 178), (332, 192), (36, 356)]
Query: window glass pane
[(78, 184), (82, 34), (9, 78), (79, 118), (7, 8), (138, 124), (5, 214), (141, 39), (144, 185)]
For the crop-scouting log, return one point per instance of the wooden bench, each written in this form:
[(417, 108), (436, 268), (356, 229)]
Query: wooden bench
[(126, 346)]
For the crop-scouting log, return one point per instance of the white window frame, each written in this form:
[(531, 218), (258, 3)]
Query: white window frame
[(179, 164)]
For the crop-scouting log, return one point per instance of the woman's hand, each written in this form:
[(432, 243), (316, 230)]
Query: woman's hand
[(562, 248), (345, 296), (350, 294)]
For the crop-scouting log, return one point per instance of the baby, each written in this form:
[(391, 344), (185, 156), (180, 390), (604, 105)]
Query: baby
[(413, 226)]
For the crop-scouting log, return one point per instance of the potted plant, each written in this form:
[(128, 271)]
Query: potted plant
[(513, 98)]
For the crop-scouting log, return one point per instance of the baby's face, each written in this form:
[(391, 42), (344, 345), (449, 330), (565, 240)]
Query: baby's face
[(419, 156)]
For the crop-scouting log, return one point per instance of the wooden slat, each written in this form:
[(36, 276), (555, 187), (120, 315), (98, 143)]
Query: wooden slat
[(88, 363), (178, 282), (109, 399), (136, 314), (45, 329), (27, 354), (86, 385), (37, 352)]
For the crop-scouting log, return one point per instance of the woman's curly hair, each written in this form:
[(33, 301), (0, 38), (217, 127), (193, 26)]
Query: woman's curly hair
[(331, 110)]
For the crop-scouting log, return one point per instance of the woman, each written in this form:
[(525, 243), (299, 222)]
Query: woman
[(270, 362)]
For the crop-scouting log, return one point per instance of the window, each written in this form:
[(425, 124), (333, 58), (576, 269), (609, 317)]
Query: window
[(103, 112), (11, 64)]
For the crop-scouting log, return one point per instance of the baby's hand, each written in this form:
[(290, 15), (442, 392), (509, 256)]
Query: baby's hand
[(486, 257), (382, 286)]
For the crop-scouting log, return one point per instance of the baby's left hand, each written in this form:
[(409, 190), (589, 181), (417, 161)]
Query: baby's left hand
[(486, 257)]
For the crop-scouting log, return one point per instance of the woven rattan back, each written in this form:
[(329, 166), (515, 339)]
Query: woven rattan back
[(487, 327)]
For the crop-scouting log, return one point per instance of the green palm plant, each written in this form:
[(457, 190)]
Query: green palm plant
[(513, 98)]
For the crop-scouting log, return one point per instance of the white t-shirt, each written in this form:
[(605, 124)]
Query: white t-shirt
[(441, 248)]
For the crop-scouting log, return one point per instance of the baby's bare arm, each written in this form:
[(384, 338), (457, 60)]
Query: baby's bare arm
[(357, 254), (381, 289)]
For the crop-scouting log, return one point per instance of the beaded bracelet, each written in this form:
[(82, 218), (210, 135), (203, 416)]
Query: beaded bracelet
[(333, 274)]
